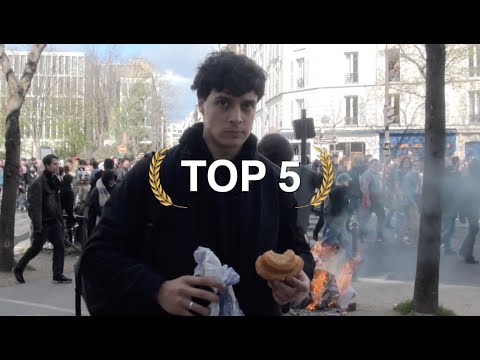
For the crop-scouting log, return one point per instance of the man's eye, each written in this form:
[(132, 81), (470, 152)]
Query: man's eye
[(223, 103), (248, 106)]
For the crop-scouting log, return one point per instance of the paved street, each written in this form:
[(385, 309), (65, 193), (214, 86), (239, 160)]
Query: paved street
[(39, 297), (22, 226), (397, 261), (386, 276)]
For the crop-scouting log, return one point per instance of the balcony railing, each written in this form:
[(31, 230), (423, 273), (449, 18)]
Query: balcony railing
[(351, 78)]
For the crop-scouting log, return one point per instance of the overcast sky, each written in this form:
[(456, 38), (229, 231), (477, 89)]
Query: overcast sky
[(179, 61)]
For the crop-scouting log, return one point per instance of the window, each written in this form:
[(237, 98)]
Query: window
[(474, 60), (394, 64), (74, 86), (24, 61), (48, 65), (74, 65), (61, 64), (474, 106), (67, 65), (16, 64), (80, 86), (395, 102), (300, 106), (60, 87), (300, 73), (351, 76), (351, 110), (67, 87)]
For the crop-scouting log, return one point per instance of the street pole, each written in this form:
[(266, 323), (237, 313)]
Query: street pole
[(387, 98), (386, 143), (304, 137)]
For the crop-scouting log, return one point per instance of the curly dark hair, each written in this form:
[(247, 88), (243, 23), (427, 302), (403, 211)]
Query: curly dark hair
[(230, 72), (275, 148)]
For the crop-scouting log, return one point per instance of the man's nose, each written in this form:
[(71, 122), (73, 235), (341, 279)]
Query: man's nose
[(236, 115)]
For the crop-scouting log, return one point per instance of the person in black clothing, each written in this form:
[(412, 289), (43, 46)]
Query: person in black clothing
[(451, 203), (139, 258), (354, 191), (337, 207), (46, 214), (469, 209), (318, 210), (277, 149), (67, 198), (107, 165), (98, 197)]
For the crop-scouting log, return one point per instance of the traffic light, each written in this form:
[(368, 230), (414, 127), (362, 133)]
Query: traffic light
[(299, 128), (390, 111)]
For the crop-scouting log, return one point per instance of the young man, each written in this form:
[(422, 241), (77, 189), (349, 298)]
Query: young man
[(139, 259), (46, 213)]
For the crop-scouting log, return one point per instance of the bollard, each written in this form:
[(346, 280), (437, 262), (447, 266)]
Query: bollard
[(354, 239)]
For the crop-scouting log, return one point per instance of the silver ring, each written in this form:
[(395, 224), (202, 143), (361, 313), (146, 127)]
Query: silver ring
[(190, 305)]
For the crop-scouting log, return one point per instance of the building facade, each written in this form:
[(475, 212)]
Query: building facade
[(174, 133), (76, 99), (342, 87), (55, 103)]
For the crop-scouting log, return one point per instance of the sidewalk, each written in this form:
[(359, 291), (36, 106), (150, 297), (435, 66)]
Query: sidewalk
[(375, 296)]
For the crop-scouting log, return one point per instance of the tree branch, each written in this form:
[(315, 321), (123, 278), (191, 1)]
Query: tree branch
[(419, 66), (407, 90), (31, 67), (8, 71)]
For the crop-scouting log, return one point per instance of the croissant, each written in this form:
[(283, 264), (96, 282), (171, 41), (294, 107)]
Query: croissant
[(274, 266)]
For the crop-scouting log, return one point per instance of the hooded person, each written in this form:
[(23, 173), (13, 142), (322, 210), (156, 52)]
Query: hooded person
[(139, 260), (99, 196), (278, 149), (337, 207)]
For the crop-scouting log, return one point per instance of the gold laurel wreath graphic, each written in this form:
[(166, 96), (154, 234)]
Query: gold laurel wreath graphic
[(154, 177), (327, 180)]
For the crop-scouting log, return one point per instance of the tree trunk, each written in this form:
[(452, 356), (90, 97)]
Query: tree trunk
[(425, 295), (10, 183), (16, 97)]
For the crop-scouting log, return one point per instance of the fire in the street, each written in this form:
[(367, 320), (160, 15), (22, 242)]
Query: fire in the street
[(316, 288), (323, 252), (325, 287), (344, 279)]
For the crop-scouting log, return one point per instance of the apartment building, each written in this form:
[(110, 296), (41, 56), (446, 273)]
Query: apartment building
[(342, 87)]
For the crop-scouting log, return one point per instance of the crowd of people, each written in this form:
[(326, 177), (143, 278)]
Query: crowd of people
[(393, 193)]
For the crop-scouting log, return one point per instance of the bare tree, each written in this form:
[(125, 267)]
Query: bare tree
[(35, 108), (17, 89), (415, 54), (100, 94), (425, 295)]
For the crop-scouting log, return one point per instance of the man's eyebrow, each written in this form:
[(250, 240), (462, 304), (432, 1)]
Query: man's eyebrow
[(250, 102)]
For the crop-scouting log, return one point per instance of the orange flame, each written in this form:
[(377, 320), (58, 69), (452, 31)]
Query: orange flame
[(344, 279), (321, 277), (323, 251), (317, 285)]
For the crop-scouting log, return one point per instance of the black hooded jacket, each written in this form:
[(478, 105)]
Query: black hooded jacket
[(44, 201), (139, 243)]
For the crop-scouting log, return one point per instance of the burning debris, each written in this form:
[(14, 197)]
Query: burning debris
[(329, 292), (324, 290)]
